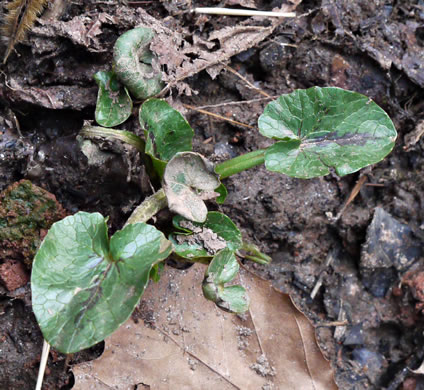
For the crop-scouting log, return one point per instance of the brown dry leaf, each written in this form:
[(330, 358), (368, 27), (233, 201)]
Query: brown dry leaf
[(81, 30), (181, 341), (177, 54)]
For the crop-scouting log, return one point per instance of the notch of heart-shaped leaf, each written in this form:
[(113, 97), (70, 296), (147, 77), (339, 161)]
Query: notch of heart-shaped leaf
[(166, 132), (323, 128), (114, 104), (84, 286), (189, 179), (223, 269), (204, 240)]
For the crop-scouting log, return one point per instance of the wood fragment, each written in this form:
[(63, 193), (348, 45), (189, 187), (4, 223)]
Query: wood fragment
[(43, 364), (20, 18), (412, 138)]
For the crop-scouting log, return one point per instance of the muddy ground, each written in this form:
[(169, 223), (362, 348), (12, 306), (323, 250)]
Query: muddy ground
[(376, 48)]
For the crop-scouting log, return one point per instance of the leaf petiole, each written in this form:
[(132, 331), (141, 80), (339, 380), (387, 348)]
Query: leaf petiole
[(240, 163)]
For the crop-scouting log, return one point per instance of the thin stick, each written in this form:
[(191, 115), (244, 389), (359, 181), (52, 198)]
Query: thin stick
[(318, 284), (217, 116), (352, 196), (247, 81), (43, 364), (242, 12), (236, 102)]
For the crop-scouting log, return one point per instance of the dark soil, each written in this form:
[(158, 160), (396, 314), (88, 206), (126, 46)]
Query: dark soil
[(370, 283)]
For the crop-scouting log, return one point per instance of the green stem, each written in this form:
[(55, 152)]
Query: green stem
[(113, 135), (150, 206), (240, 163)]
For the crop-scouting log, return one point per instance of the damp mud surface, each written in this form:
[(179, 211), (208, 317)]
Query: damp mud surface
[(356, 270)]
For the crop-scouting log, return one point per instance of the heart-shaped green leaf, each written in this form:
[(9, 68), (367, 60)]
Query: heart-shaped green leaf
[(85, 286), (198, 240), (223, 269), (188, 180), (166, 132), (323, 128), (114, 104)]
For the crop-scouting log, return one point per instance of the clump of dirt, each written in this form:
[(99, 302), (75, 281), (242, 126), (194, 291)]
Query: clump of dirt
[(262, 367)]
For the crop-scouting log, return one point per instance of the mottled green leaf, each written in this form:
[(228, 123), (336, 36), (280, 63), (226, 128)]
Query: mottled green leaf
[(166, 132), (189, 179), (85, 286), (323, 128), (223, 269), (114, 104), (132, 60), (234, 299), (197, 239)]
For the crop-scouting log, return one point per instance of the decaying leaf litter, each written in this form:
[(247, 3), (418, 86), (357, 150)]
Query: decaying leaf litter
[(295, 231), (171, 341)]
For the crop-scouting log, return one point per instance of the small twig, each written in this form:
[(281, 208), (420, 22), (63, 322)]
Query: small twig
[(352, 196), (332, 323), (318, 284), (374, 185), (236, 103), (340, 330), (43, 364), (217, 116), (247, 81), (242, 12)]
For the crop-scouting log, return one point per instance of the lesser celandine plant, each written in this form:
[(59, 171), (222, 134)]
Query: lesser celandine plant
[(85, 284)]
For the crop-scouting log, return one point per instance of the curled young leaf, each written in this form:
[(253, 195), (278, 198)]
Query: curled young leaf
[(114, 104), (205, 239), (132, 59), (223, 269), (323, 128), (166, 132), (188, 180), (85, 286)]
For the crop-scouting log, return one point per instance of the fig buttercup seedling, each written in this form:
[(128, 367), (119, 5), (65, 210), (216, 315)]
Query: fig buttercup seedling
[(86, 285)]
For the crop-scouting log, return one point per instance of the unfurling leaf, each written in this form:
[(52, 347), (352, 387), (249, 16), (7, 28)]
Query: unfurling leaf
[(223, 269), (133, 63), (84, 286), (323, 128), (188, 180)]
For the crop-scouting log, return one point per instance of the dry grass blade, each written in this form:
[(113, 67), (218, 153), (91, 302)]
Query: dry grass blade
[(19, 19), (352, 196), (217, 116), (242, 12)]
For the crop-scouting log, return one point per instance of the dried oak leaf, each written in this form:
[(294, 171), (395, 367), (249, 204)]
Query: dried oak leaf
[(181, 341)]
